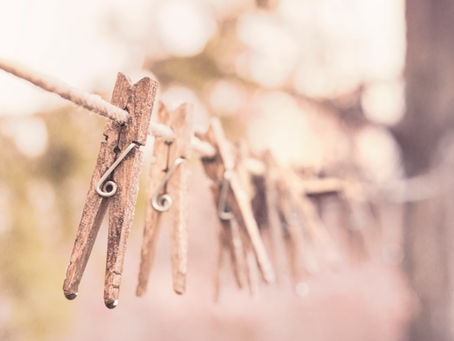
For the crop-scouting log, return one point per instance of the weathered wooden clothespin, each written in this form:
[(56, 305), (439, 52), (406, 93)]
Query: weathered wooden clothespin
[(114, 183), (230, 244), (291, 207), (244, 178), (221, 170), (167, 193), (314, 226), (290, 231), (277, 233)]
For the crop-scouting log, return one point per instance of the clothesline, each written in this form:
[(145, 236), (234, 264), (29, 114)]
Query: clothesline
[(92, 102), (101, 107)]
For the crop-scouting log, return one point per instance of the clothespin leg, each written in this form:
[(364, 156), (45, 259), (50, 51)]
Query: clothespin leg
[(236, 250), (168, 174), (219, 264), (152, 227), (242, 209), (92, 216), (249, 264), (95, 205), (152, 224), (121, 212), (141, 97), (178, 232)]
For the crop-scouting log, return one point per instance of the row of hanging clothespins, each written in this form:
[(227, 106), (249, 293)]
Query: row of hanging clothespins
[(253, 204)]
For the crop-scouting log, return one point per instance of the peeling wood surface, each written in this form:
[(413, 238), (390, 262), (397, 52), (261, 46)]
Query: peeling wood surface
[(138, 100)]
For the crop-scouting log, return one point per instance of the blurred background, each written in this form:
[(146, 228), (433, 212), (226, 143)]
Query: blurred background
[(359, 90)]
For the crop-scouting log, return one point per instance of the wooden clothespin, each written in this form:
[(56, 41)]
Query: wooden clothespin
[(280, 236), (244, 178), (167, 192), (114, 183), (296, 234), (291, 232), (314, 226), (230, 244), (233, 240), (221, 170)]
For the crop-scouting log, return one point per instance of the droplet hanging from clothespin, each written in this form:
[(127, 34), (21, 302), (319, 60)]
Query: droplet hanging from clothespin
[(114, 184), (167, 191)]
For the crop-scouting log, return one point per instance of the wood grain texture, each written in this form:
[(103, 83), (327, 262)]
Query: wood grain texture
[(152, 224), (239, 200), (138, 100), (92, 216), (181, 122)]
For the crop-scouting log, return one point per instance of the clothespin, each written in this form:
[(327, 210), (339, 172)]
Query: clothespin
[(229, 243), (291, 232), (295, 234), (167, 192), (229, 238), (249, 264), (221, 170), (232, 240), (115, 184), (314, 226), (278, 228)]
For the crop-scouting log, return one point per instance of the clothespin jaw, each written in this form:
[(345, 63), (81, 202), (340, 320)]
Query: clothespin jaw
[(114, 183), (220, 168), (167, 193)]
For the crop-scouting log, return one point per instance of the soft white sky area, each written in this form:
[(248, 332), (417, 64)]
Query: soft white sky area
[(319, 48), (86, 42), (326, 47)]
